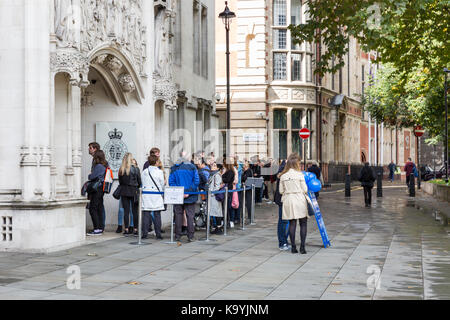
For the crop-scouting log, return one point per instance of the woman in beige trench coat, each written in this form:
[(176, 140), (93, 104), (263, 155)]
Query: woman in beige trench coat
[(293, 190)]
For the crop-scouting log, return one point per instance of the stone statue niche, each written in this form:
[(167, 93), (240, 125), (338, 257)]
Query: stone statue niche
[(162, 45)]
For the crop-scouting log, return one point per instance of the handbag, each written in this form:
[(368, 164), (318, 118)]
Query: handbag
[(94, 186), (165, 205), (220, 196), (235, 200), (116, 194), (84, 189)]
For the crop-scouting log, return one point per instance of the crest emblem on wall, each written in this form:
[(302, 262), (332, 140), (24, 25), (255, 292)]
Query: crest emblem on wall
[(115, 149)]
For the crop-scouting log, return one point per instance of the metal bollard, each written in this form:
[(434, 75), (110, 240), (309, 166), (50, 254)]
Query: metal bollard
[(412, 186), (379, 185), (252, 220), (225, 215), (243, 211), (347, 185)]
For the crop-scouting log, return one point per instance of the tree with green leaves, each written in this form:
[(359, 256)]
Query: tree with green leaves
[(412, 42)]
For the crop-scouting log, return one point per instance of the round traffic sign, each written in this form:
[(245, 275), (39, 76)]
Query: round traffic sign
[(418, 131), (304, 133)]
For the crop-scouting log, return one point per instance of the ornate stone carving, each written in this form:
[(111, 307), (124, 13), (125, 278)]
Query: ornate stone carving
[(113, 64), (94, 22), (74, 63), (86, 96), (126, 82), (166, 90), (164, 87), (76, 158), (298, 94), (28, 157), (311, 95)]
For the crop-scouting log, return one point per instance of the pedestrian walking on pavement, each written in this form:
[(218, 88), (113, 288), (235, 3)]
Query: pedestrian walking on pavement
[(409, 169), (293, 190), (185, 174), (392, 167), (367, 178), (283, 225), (130, 182), (152, 204)]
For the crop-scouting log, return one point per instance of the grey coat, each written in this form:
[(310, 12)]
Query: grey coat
[(214, 185)]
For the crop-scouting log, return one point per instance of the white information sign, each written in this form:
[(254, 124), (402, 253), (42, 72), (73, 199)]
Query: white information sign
[(253, 137), (174, 195)]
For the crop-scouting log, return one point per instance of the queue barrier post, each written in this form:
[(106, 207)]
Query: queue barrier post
[(252, 220), (208, 217), (225, 215), (139, 242), (243, 211)]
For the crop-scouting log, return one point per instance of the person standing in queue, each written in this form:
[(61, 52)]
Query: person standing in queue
[(367, 178), (130, 182), (283, 225), (152, 204), (248, 173), (96, 207), (293, 190), (185, 174)]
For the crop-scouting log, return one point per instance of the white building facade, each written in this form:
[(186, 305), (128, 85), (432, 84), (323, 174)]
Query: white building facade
[(78, 71)]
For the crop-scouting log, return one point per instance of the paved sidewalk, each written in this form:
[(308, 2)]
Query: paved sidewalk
[(406, 246)]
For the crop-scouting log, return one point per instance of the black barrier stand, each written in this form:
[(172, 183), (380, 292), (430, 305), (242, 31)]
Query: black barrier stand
[(347, 185), (379, 185), (412, 186)]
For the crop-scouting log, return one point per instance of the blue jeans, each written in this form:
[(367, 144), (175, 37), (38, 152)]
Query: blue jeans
[(283, 228), (232, 213), (121, 213)]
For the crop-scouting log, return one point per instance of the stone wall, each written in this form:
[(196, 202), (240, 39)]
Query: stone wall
[(438, 191)]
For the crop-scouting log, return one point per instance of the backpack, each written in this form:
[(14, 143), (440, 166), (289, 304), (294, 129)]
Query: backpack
[(415, 172), (108, 180)]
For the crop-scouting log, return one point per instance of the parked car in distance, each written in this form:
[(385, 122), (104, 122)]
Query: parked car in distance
[(427, 173)]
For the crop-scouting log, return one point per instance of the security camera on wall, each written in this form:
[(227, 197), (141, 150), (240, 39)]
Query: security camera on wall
[(260, 114), (218, 97)]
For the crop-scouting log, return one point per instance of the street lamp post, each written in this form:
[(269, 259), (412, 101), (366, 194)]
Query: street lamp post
[(446, 126), (226, 17)]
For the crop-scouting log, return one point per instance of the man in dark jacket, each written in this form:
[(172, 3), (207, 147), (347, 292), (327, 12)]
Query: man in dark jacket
[(185, 174), (283, 225), (392, 167), (367, 178)]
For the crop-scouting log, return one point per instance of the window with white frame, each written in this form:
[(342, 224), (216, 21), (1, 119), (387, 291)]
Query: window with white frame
[(291, 61)]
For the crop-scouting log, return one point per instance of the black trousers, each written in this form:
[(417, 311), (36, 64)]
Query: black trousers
[(129, 205), (190, 213), (368, 195), (148, 218), (96, 210)]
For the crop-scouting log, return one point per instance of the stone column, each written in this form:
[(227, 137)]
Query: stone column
[(76, 153), (36, 100)]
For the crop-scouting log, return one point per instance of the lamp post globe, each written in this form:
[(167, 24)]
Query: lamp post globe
[(226, 17)]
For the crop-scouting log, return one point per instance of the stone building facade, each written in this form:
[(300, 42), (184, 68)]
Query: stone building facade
[(274, 93), (70, 69)]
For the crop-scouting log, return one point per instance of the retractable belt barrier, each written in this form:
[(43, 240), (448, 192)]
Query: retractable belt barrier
[(200, 192), (208, 216)]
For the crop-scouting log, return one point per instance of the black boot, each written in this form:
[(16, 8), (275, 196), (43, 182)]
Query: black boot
[(119, 229), (302, 249), (294, 249)]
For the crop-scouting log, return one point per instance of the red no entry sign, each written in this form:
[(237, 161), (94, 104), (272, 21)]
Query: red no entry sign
[(304, 133), (418, 131)]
